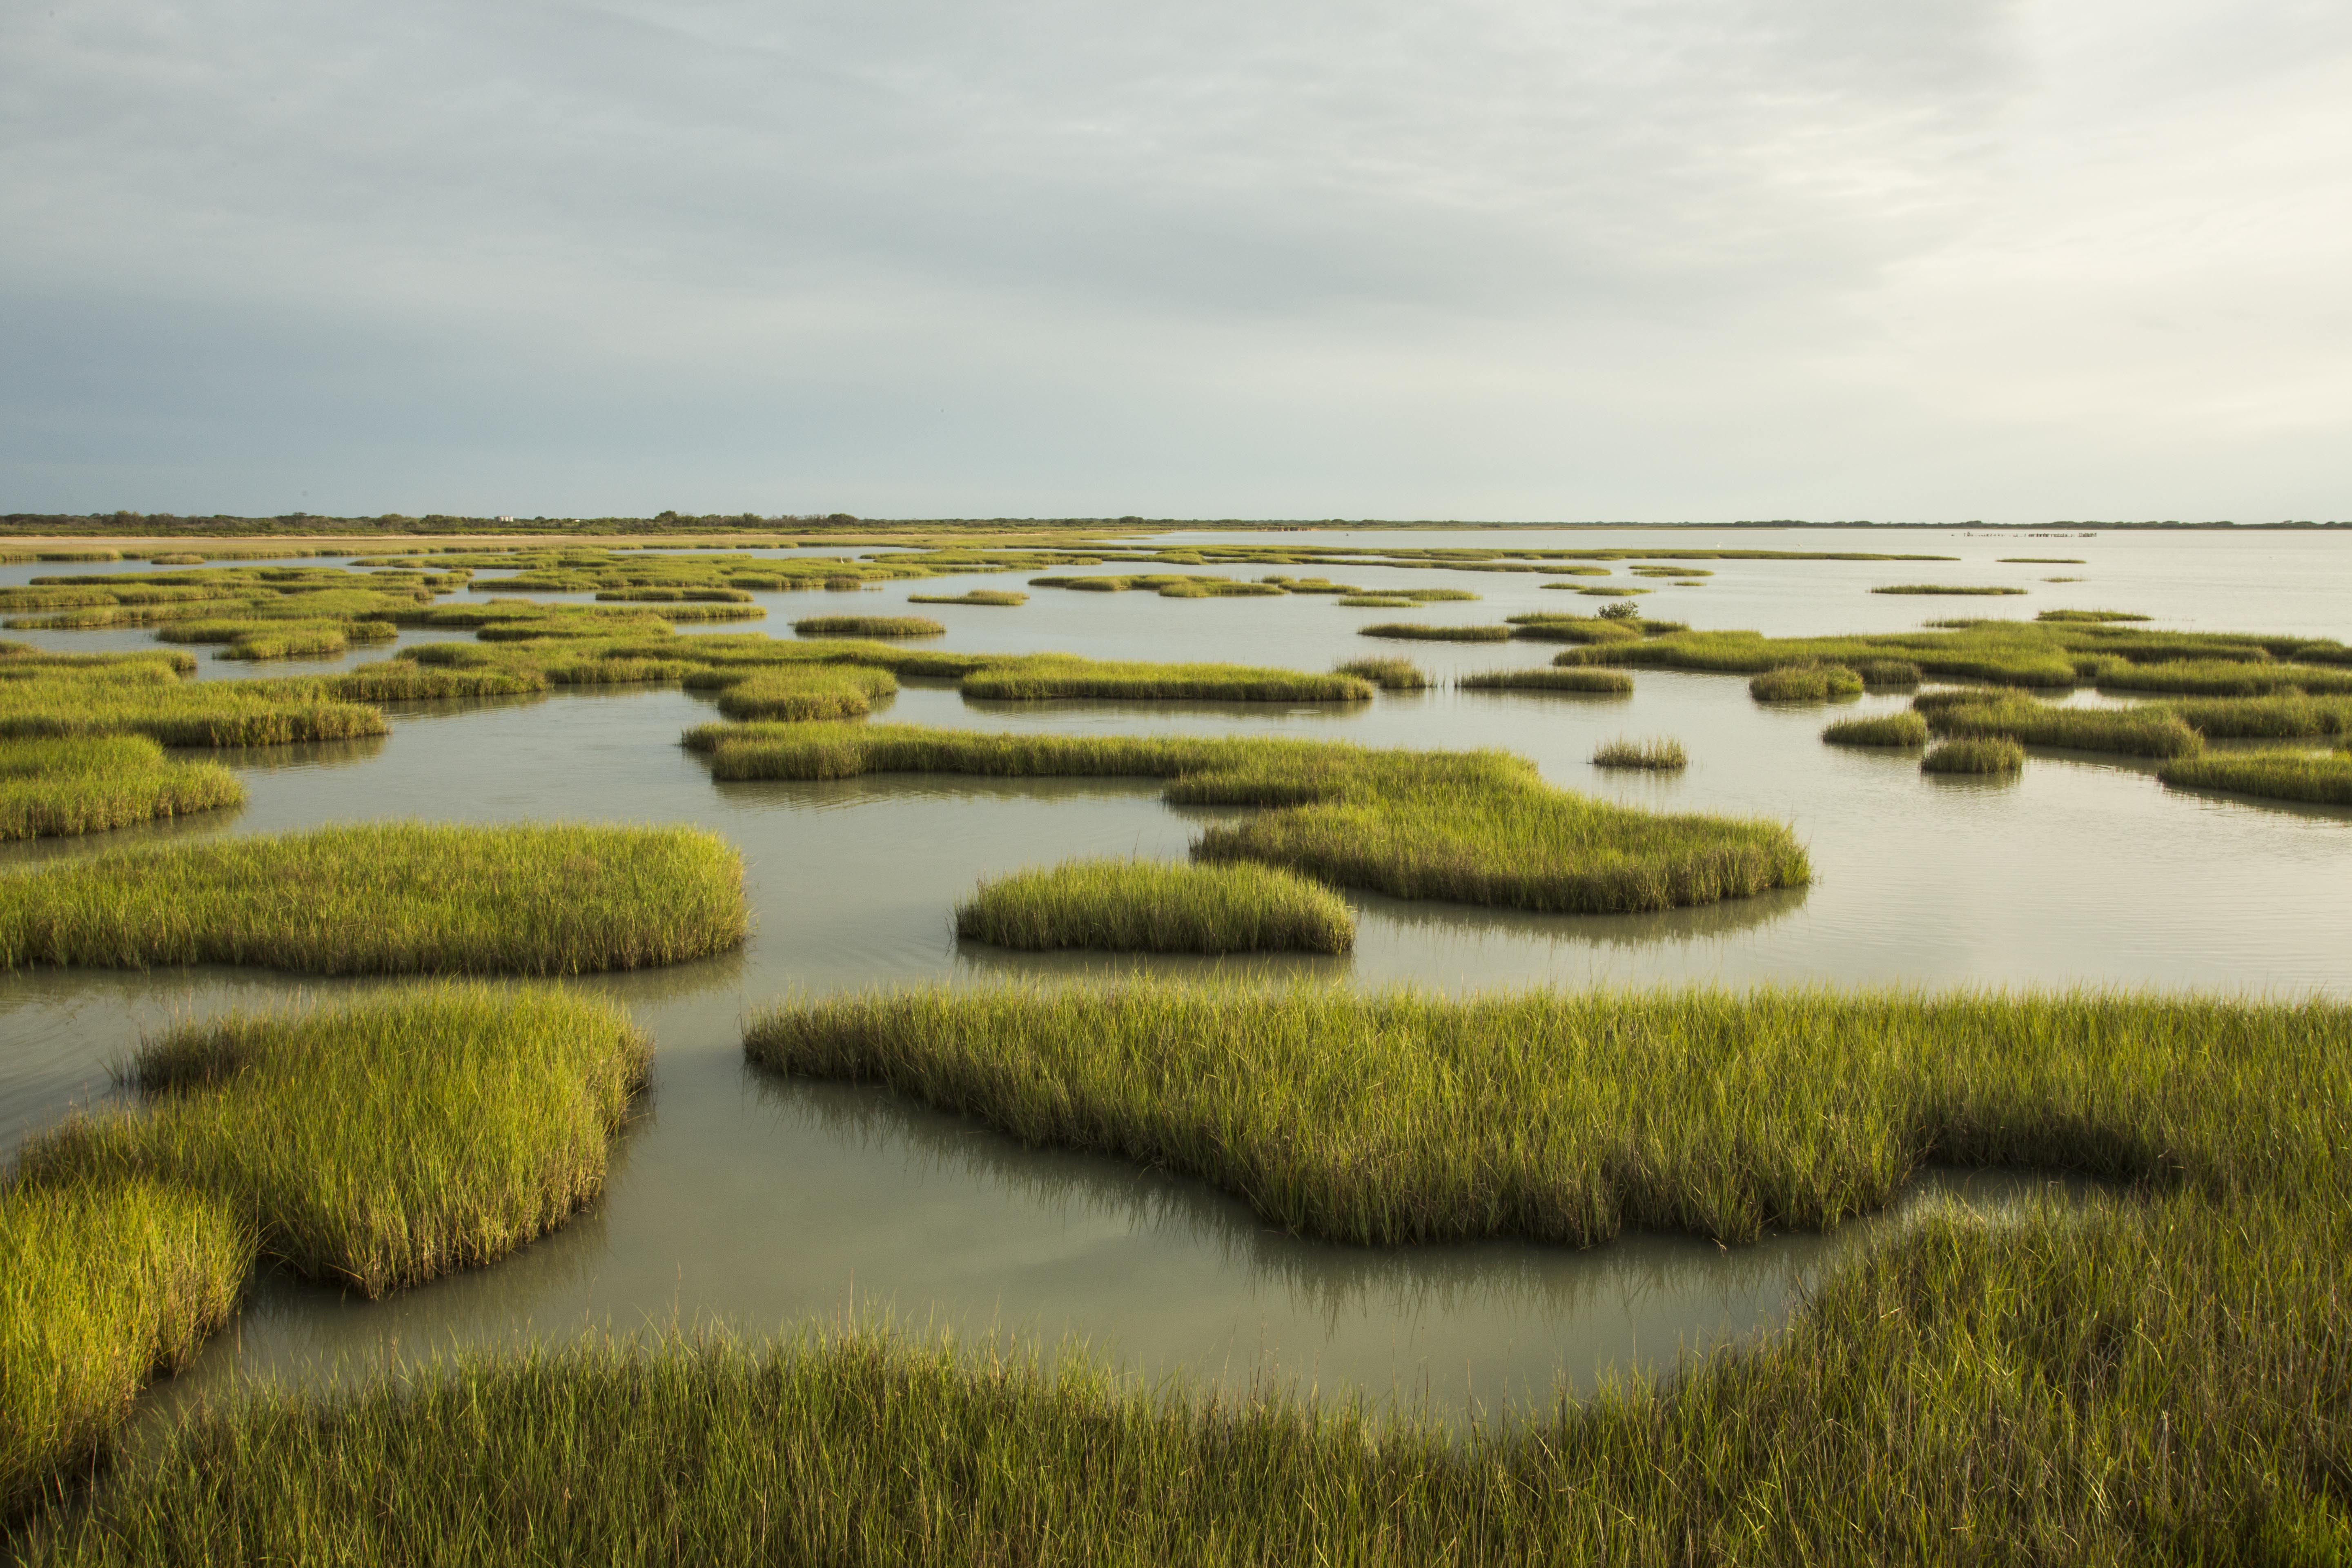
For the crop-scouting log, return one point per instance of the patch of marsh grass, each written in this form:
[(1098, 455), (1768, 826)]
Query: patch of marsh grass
[(2151, 732), (1581, 683), (1387, 674), (388, 898), (2273, 775), (90, 784), (1144, 906), (1374, 602), (102, 1286), (1000, 596), (1423, 631), (1572, 1116), (2293, 717), (2043, 561), (1942, 588), (796, 693), (2089, 618), (869, 627), (1885, 730), (1473, 827), (145, 697), (376, 1145), (1805, 683), (1664, 756), (1040, 677), (1975, 754)]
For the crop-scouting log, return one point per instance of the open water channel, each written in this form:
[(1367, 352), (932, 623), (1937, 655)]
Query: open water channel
[(769, 1206)]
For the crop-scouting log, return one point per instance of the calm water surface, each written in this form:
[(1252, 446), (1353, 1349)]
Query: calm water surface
[(771, 1205)]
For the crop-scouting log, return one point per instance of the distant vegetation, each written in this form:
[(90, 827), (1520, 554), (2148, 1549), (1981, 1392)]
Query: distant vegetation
[(1143, 906), (1576, 683), (869, 627), (1941, 588), (976, 596), (1423, 631)]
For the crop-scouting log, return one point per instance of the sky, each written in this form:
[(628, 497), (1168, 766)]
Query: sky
[(1675, 260)]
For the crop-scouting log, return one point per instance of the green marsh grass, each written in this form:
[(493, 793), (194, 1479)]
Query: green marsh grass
[(1571, 1117), (2293, 718), (1040, 677), (1576, 681), (1885, 730), (92, 784), (2043, 561), (2224, 678), (1805, 683), (1423, 631), (376, 1145), (1574, 628), (2273, 775), (998, 597), (1664, 756), (2090, 617), (1387, 674), (1887, 674), (794, 693), (2149, 731), (1610, 591), (1975, 754), (101, 1285), (1473, 827), (869, 627), (132, 698), (1942, 588), (388, 898), (1144, 906), (1374, 602)]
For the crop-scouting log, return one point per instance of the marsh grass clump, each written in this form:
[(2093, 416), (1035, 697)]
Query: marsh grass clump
[(2293, 717), (1040, 677), (1943, 588), (869, 627), (1805, 683), (1905, 729), (1571, 1116), (2149, 731), (1664, 756), (90, 784), (102, 1286), (1473, 827), (1600, 628), (388, 898), (2235, 676), (2043, 561), (1423, 631), (1387, 674), (1000, 596), (141, 695), (1609, 591), (465, 1122), (1374, 602), (1143, 906), (2273, 775), (1576, 681), (1887, 674), (2089, 618), (798, 693), (1975, 754)]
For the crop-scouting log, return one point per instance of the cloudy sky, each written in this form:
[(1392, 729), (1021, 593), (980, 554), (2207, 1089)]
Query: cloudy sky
[(1491, 258)]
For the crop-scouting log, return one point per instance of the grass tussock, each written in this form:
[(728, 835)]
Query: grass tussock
[(2273, 775), (1472, 827), (1975, 754), (61, 787), (1373, 602), (1805, 683), (1942, 588), (102, 1286), (1387, 674), (1143, 906), (388, 898), (140, 695), (2089, 618), (1423, 631), (1664, 756), (2129, 731), (2290, 718), (799, 693), (1574, 681), (464, 1123), (1885, 730), (869, 627), (1040, 677), (998, 596)]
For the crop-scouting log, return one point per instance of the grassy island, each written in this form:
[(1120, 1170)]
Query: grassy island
[(388, 898), (1473, 827), (61, 787), (1142, 905)]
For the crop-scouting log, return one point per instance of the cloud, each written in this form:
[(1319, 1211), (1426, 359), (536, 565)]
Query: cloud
[(1675, 259)]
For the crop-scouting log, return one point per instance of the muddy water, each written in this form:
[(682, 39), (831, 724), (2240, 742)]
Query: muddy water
[(770, 1205)]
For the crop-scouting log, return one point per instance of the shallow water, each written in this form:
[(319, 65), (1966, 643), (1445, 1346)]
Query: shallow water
[(769, 1204)]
